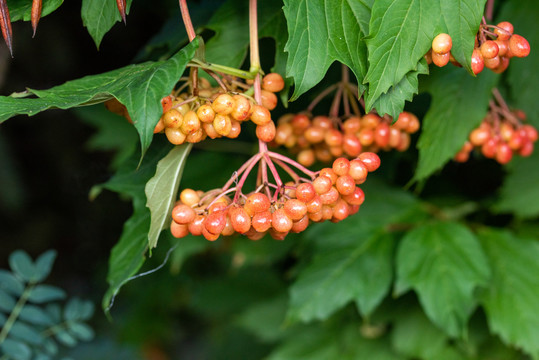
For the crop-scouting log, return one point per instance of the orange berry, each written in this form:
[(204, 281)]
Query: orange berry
[(242, 108), (179, 230), (190, 123), (205, 113), (240, 220), (257, 202), (175, 136), (273, 82), (280, 221), (269, 100), (295, 209), (172, 119), (223, 104), (261, 221), (442, 44), (266, 132), (260, 115)]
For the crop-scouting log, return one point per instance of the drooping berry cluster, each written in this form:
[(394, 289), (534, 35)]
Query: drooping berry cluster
[(321, 138), (500, 135), (332, 194), (214, 112), (495, 45)]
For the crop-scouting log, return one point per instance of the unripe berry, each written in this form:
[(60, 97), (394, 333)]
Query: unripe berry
[(479, 136), (323, 122), (189, 197), (328, 172), (492, 63), (442, 44), (273, 82), (358, 170), (370, 121), (222, 124), (503, 46), (322, 184), (314, 134), (160, 126), (300, 123), (266, 132), (366, 137), (235, 129), (341, 166), (190, 123), (333, 137), (504, 63), (306, 157), (260, 115), (352, 125), (210, 130), (345, 185), (223, 104)]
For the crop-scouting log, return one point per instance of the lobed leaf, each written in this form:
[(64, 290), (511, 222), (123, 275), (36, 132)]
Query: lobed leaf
[(162, 190), (510, 301), (392, 102), (400, 34), (459, 104), (139, 87), (441, 261), (321, 32), (99, 16), (359, 272)]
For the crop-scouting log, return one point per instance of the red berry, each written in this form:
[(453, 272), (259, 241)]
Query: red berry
[(240, 220), (340, 210), (178, 230), (345, 185), (322, 184), (351, 145), (261, 221), (305, 192), (280, 221), (503, 153), (440, 60), (519, 46), (330, 174), (489, 49), (269, 100), (300, 225), (504, 30), (314, 205), (260, 115), (183, 214), (358, 170), (215, 222), (330, 197), (257, 202), (195, 227), (341, 166), (295, 209), (371, 160), (381, 134), (356, 198), (477, 62), (266, 132)]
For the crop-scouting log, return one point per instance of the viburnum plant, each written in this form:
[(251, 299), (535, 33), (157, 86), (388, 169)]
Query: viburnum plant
[(411, 264)]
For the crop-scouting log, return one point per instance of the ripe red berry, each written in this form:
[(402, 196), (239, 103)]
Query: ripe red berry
[(178, 230), (330, 197), (257, 202), (215, 222), (504, 63), (261, 221), (351, 145), (322, 184), (442, 44), (371, 160), (340, 210), (356, 198), (341, 166), (240, 220), (358, 170), (183, 214), (266, 132), (269, 100), (300, 225), (295, 209), (305, 192), (440, 60), (330, 174), (314, 205), (519, 46), (503, 153), (381, 134), (280, 221), (489, 49), (345, 185), (504, 30)]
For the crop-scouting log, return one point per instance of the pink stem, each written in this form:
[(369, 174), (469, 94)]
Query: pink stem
[(289, 161), (187, 20), (250, 164)]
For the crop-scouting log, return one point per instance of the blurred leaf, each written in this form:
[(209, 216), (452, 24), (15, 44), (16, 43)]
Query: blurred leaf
[(511, 300), (187, 247), (265, 319), (109, 128), (262, 252), (520, 193), (7, 303), (55, 312), (81, 331), (44, 264), (10, 283), (415, 336), (50, 346), (162, 190), (320, 33), (522, 77), (360, 271), (3, 319), (16, 350), (139, 87), (99, 16), (441, 261), (46, 293), (459, 104), (65, 338), (22, 265), (26, 333), (392, 102), (22, 9), (35, 315), (77, 309)]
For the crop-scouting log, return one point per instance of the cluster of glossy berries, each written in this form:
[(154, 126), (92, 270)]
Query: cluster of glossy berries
[(214, 113), (332, 195), (493, 49), (323, 139), (499, 138)]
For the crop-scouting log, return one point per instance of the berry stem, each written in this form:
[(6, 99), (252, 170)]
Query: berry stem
[(289, 161), (275, 174), (221, 69), (335, 105), (489, 9), (187, 20), (288, 170), (253, 37), (250, 164), (321, 96), (254, 159)]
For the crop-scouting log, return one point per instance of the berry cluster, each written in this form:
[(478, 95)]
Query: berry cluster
[(500, 135), (214, 112), (321, 138), (495, 45), (332, 195)]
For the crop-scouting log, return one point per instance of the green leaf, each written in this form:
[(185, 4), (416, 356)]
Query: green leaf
[(139, 87), (50, 346), (44, 264), (459, 104), (45, 293), (522, 77), (511, 300), (523, 174), (65, 338), (321, 32), (441, 261), (35, 315), (7, 303), (108, 126), (265, 319), (128, 255), (190, 245), (400, 34), (16, 350), (26, 333), (162, 190), (22, 9), (360, 272), (415, 336), (55, 312), (231, 25), (98, 16), (461, 19), (22, 265), (81, 331), (392, 102), (77, 309), (10, 283)]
